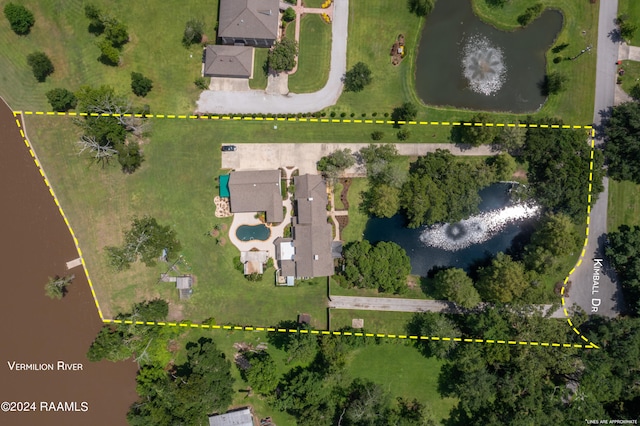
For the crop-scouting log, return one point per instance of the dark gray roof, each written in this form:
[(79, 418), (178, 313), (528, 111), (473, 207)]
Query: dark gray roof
[(256, 191), (234, 418), (228, 61), (248, 19), (311, 198)]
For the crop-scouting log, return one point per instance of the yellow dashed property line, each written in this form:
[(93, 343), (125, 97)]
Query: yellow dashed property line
[(305, 119), (55, 199), (351, 333), (586, 241)]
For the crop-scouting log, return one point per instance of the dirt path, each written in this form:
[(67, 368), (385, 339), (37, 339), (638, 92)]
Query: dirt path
[(36, 244)]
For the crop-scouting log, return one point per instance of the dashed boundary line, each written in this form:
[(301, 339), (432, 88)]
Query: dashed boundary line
[(304, 119), (187, 324), (584, 247)]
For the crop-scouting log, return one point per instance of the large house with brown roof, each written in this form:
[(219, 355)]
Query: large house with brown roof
[(228, 61), (308, 253), (256, 191), (249, 22)]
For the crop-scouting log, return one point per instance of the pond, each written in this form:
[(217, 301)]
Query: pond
[(459, 244), (465, 63), (255, 232)]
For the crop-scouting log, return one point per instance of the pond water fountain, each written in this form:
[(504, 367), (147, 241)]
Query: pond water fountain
[(483, 65)]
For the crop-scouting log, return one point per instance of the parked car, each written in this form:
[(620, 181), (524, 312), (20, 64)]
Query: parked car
[(228, 147)]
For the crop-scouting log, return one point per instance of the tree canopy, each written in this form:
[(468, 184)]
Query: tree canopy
[(335, 163), (282, 57), (623, 251), (383, 266), (477, 133), (622, 149), (61, 99), (405, 112), (503, 280), (455, 285), (357, 77), (41, 65), (559, 170), (20, 18), (554, 238), (140, 85), (421, 7)]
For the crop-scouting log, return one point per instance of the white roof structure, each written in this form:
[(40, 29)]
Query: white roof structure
[(241, 417)]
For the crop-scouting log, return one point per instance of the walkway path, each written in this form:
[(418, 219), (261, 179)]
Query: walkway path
[(605, 298), (408, 305), (258, 101)]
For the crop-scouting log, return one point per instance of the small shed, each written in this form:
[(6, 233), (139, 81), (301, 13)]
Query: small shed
[(241, 417)]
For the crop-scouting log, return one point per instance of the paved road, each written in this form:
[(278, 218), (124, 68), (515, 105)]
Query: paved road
[(600, 296), (405, 305), (257, 101), (304, 156)]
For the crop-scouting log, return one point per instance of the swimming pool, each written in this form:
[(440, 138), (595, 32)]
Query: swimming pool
[(253, 232)]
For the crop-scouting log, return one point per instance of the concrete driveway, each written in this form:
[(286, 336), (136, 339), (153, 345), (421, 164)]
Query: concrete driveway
[(304, 156), (220, 84), (258, 101)]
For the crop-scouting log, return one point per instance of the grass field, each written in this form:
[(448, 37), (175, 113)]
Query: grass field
[(631, 8), (154, 49), (631, 75), (624, 204), (101, 202), (374, 321), (259, 80), (414, 377), (314, 55)]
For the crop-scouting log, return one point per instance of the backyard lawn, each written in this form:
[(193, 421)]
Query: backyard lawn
[(314, 55), (624, 204), (259, 80), (631, 8), (154, 49)]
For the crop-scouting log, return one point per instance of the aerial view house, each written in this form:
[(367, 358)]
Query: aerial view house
[(248, 22), (257, 191), (308, 253), (228, 61), (241, 417)]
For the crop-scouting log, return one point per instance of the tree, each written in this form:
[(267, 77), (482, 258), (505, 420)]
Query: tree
[(553, 83), (559, 170), (366, 402), (302, 394), (455, 285), (289, 15), (503, 281), (623, 252), (433, 324), (403, 134), (405, 112), (511, 139), (622, 149), (411, 413), (478, 133), (41, 65), (282, 57), (384, 266), (140, 85), (421, 7), (383, 200), (627, 28), (115, 32), (530, 14), (261, 375), (357, 77), (193, 31), (61, 99), (109, 55), (377, 135), (20, 18), (145, 240), (56, 287), (335, 163), (94, 14), (505, 166), (129, 156), (555, 238)]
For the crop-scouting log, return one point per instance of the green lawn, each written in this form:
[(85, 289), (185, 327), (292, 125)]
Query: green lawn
[(370, 39), (413, 377), (154, 49), (632, 9), (374, 321), (313, 3), (624, 204), (176, 185), (337, 190), (631, 75), (357, 219), (259, 80), (314, 55)]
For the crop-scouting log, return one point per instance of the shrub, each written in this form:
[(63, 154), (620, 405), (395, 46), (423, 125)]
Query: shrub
[(116, 32), (130, 157), (193, 32), (635, 92), (343, 114), (332, 114), (403, 134), (109, 55), (557, 59), (140, 85), (61, 99), (405, 112), (553, 83), (201, 83), (289, 15), (377, 135), (41, 65), (530, 14), (19, 17)]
